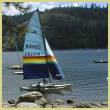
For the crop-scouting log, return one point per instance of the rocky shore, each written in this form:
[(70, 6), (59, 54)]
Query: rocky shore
[(38, 100)]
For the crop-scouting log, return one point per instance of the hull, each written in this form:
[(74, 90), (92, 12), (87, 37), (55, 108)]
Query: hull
[(100, 61), (18, 72), (52, 85), (43, 90), (16, 67), (47, 88)]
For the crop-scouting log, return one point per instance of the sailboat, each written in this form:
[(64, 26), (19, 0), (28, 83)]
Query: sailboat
[(16, 67), (39, 61)]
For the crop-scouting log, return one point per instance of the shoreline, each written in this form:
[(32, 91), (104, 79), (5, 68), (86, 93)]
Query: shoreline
[(68, 49), (54, 104), (36, 99)]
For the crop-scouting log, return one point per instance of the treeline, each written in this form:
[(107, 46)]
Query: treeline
[(64, 28)]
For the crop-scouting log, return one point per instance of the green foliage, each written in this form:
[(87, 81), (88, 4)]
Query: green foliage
[(65, 28), (19, 6)]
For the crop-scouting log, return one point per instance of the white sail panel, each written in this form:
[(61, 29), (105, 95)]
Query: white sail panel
[(34, 45), (53, 65)]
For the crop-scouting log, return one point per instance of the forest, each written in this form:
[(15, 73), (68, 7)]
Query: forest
[(64, 28)]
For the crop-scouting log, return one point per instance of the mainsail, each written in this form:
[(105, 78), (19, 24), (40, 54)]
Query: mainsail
[(38, 59)]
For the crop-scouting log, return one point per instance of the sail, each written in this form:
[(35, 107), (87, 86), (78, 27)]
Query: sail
[(34, 61), (54, 68), (38, 59)]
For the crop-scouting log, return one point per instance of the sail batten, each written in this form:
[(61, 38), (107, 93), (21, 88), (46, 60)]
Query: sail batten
[(38, 59)]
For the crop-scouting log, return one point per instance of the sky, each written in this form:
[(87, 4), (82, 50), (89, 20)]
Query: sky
[(49, 5)]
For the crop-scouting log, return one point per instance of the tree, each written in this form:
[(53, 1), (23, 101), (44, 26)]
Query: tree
[(12, 28)]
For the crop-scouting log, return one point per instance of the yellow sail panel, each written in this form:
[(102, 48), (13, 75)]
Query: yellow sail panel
[(39, 59)]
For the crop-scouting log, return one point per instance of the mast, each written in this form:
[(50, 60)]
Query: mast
[(50, 78), (17, 48)]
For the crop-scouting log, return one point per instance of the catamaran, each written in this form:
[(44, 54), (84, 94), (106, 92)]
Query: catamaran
[(39, 61), (16, 67), (100, 61)]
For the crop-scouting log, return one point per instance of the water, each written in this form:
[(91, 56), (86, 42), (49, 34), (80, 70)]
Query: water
[(88, 80)]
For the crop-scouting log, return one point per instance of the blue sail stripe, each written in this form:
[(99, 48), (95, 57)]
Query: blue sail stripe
[(35, 71), (55, 71)]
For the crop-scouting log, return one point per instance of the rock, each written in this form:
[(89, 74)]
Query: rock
[(79, 105), (83, 105), (96, 104), (87, 105), (64, 106), (5, 104), (69, 101), (41, 101), (34, 93), (54, 105), (11, 102), (74, 105), (58, 101), (48, 106), (27, 99), (27, 105), (104, 103), (30, 97)]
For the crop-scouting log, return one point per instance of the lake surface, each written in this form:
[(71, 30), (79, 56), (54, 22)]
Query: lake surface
[(88, 79)]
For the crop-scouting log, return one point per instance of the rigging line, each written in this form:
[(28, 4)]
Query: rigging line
[(50, 78), (17, 49)]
